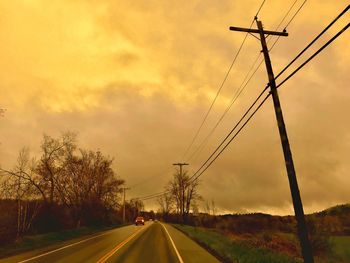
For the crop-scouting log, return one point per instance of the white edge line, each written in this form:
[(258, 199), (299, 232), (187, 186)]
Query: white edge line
[(70, 245), (172, 242)]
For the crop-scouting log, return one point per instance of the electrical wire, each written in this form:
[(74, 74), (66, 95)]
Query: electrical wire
[(293, 17), (242, 86), (312, 42), (232, 130), (151, 195), (221, 86), (207, 164), (285, 16), (195, 176), (314, 55), (295, 14)]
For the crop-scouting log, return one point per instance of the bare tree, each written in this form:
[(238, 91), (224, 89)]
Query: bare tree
[(166, 203), (54, 154), (87, 180), (184, 192), (209, 207), (20, 184), (82, 182), (136, 206)]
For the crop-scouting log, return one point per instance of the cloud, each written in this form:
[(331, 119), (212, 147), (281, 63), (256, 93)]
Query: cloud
[(135, 80)]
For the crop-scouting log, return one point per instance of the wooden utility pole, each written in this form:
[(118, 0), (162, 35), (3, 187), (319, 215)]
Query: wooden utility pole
[(180, 164), (293, 183), (124, 189)]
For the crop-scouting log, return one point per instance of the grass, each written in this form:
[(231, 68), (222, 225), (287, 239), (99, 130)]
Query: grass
[(31, 242), (233, 250), (341, 247)]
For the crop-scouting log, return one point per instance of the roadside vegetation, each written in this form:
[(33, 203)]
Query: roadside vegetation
[(229, 249), (254, 237), (65, 188), (265, 238)]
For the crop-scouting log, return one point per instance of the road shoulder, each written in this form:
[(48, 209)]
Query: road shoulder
[(190, 251)]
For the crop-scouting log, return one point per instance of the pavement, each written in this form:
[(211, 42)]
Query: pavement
[(153, 242)]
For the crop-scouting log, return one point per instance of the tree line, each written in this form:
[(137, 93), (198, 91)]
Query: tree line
[(65, 187)]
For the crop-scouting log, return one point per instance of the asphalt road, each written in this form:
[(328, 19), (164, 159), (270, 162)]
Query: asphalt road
[(154, 242)]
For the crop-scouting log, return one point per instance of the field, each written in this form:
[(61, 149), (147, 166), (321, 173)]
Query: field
[(230, 250), (277, 247)]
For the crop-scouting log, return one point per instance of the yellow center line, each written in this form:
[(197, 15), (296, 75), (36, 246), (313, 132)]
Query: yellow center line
[(119, 246)]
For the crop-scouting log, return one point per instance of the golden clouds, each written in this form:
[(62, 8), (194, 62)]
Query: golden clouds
[(56, 49), (136, 77)]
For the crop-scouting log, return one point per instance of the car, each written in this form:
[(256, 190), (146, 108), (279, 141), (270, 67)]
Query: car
[(139, 221)]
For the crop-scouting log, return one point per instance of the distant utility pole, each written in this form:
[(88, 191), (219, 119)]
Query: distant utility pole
[(180, 164), (124, 189), (293, 183)]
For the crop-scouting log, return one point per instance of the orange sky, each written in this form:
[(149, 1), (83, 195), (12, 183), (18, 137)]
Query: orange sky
[(135, 79)]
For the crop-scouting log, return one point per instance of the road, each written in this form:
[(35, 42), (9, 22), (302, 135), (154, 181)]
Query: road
[(154, 242)]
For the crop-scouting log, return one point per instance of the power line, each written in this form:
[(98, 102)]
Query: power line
[(286, 79), (234, 136), (315, 54), (313, 41), (285, 28), (232, 130), (257, 13), (221, 86), (238, 92), (151, 195), (285, 16), (215, 98), (241, 88), (295, 14), (196, 175)]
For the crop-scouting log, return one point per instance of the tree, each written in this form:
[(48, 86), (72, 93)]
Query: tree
[(184, 192), (209, 207), (88, 184), (70, 185), (19, 184), (135, 206), (55, 152), (166, 203)]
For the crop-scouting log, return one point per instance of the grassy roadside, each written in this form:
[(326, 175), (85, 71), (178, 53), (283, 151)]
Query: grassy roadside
[(51, 239), (230, 250), (341, 247)]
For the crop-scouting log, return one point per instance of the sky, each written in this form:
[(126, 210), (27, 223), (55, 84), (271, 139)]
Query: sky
[(134, 79)]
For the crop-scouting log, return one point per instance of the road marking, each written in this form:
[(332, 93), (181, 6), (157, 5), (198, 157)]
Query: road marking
[(119, 246), (172, 242), (70, 245)]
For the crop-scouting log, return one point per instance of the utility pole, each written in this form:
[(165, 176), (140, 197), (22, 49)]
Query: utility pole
[(124, 189), (182, 200), (180, 164), (293, 183)]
